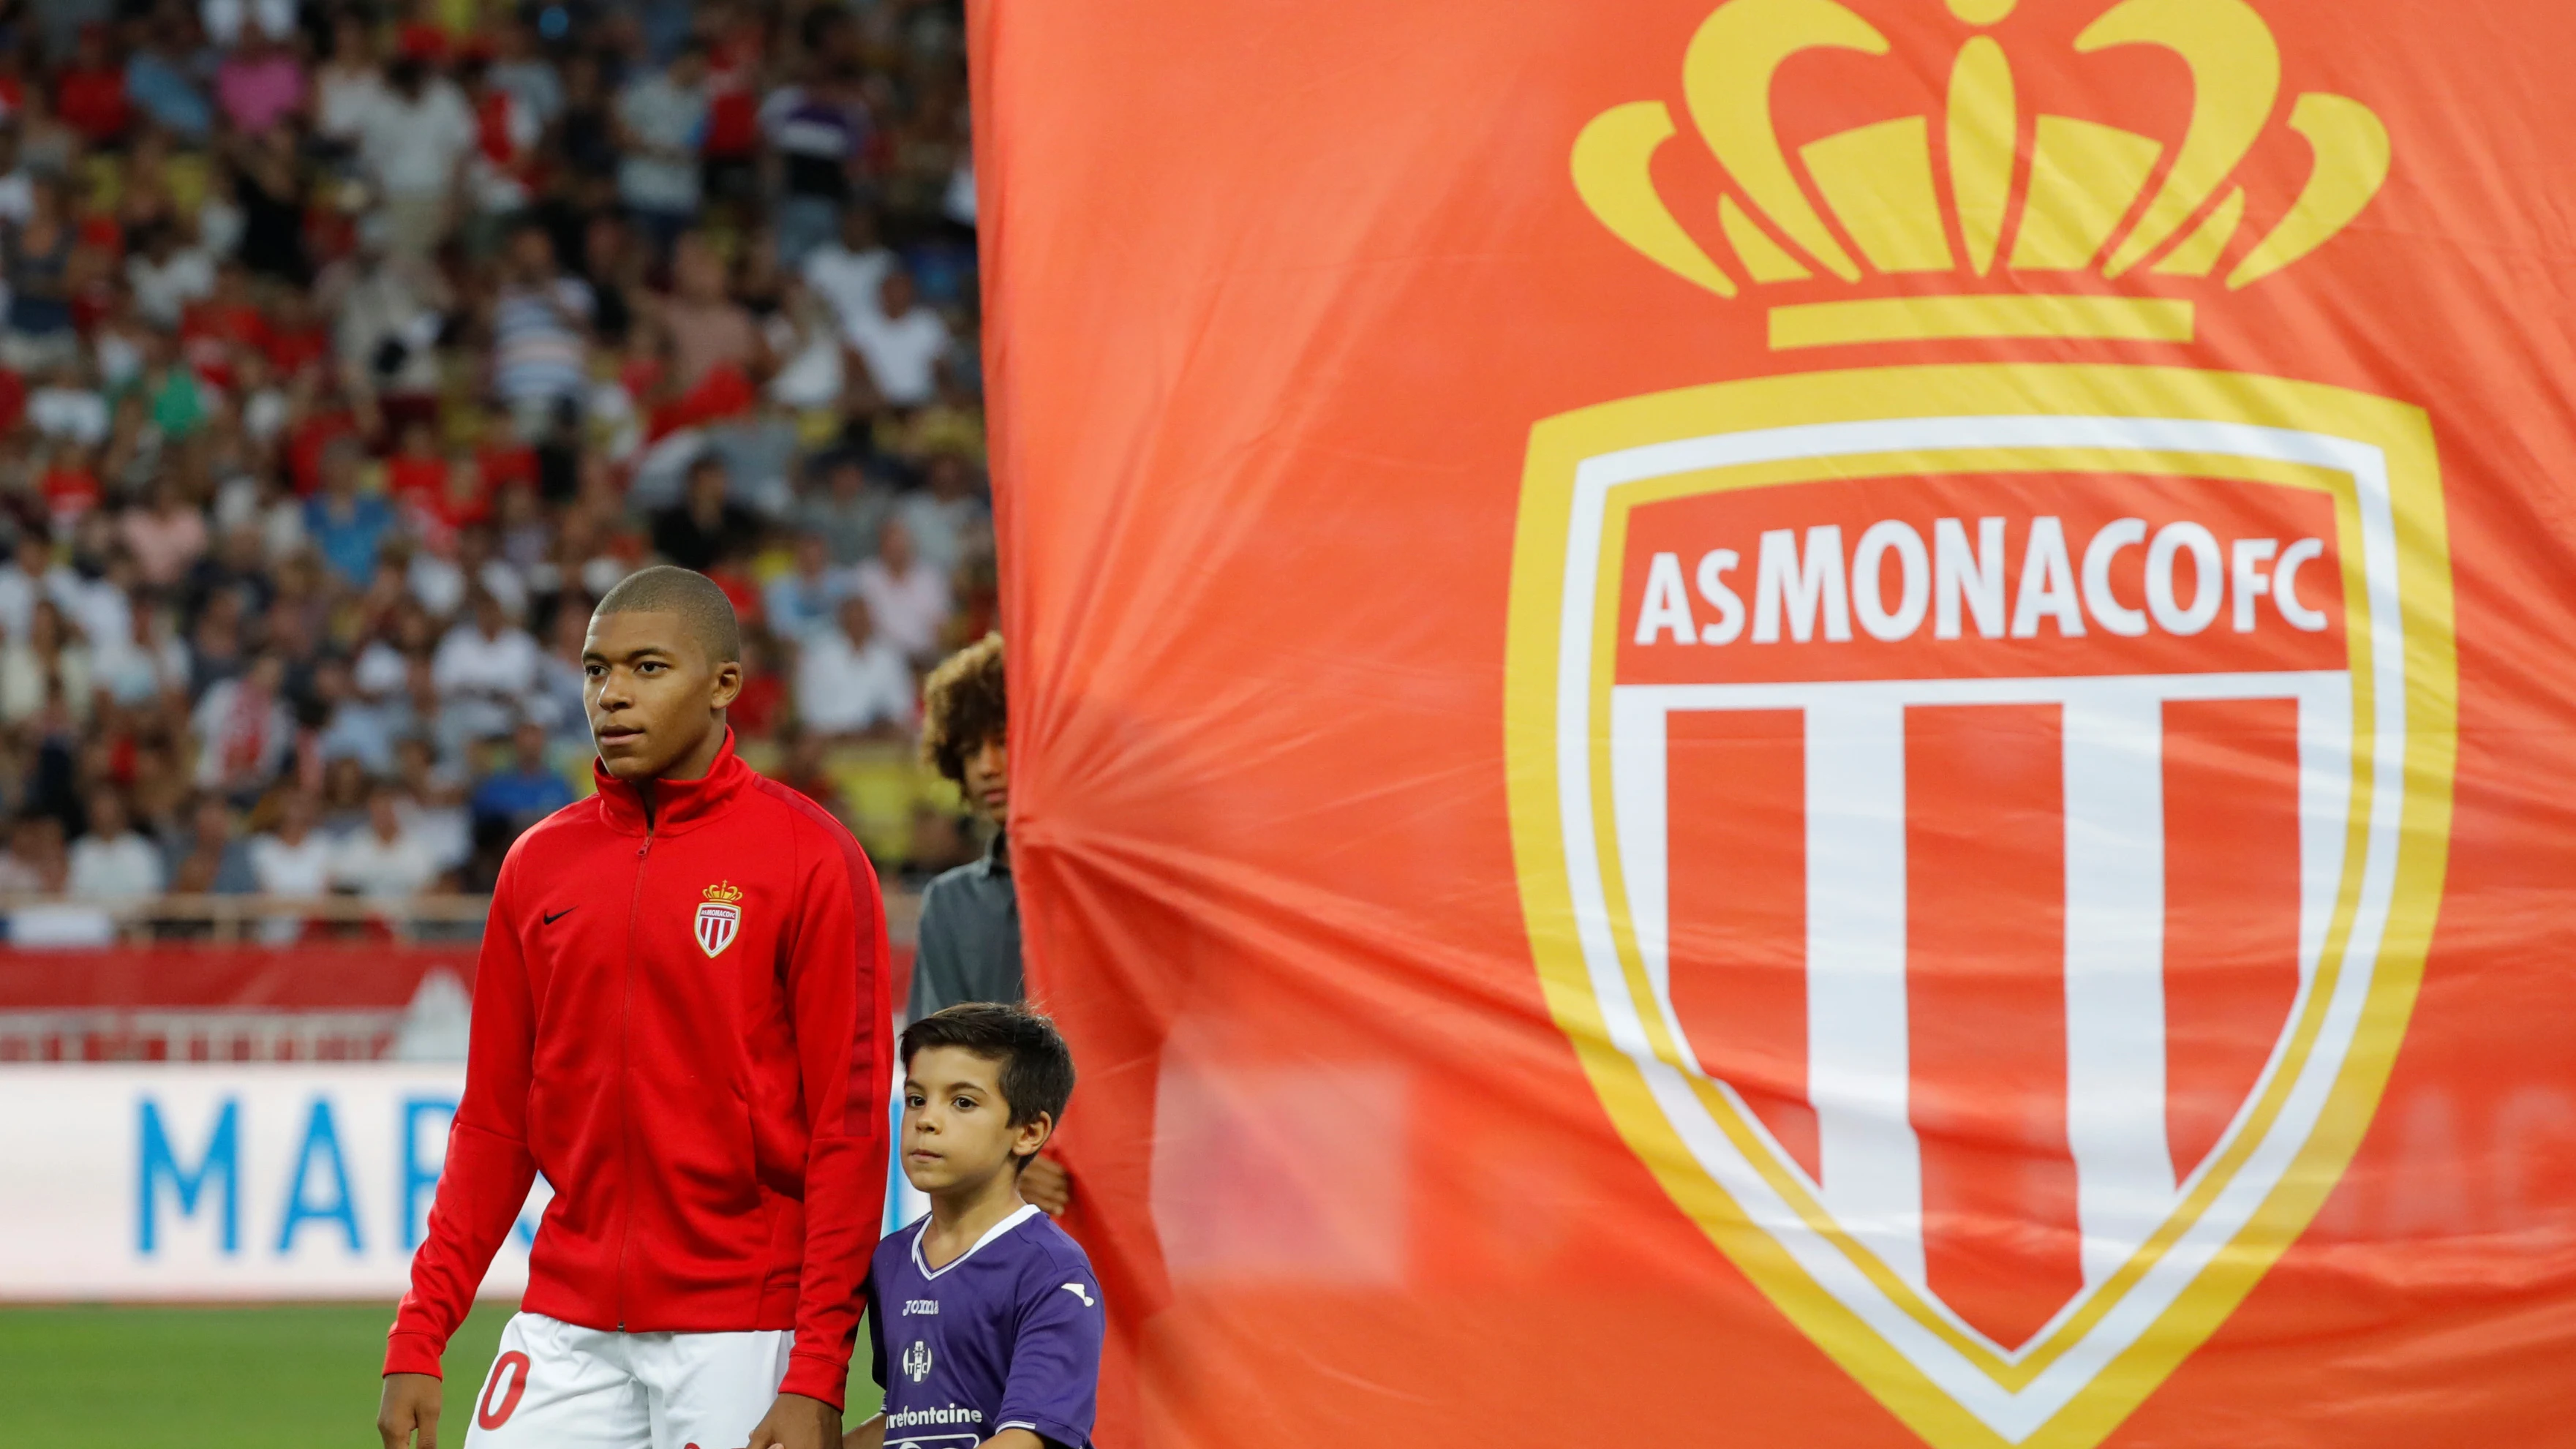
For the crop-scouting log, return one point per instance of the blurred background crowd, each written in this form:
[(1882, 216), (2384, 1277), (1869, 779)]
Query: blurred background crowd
[(352, 350)]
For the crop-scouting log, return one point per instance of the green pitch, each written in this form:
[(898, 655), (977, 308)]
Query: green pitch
[(226, 1378)]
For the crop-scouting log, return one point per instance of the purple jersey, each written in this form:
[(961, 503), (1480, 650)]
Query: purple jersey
[(1006, 1336)]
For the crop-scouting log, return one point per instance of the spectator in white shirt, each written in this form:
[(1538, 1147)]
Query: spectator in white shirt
[(383, 669), (383, 860), (414, 141), (851, 682), (243, 730), (430, 805), (805, 333), (17, 184), (523, 71), (906, 597), (352, 729), (64, 408), (440, 583), (449, 727), (661, 118), (901, 341), (486, 667), (46, 666), (149, 661), (848, 272), (102, 609), (389, 321), (224, 19), (348, 86), (31, 576), (112, 862), (166, 275), (947, 515), (294, 860)]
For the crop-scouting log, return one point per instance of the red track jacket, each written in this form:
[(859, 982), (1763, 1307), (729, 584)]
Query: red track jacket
[(685, 1029)]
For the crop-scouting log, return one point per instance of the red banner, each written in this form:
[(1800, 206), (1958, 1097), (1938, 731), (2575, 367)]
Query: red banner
[(1821, 722), (208, 1003), (248, 978)]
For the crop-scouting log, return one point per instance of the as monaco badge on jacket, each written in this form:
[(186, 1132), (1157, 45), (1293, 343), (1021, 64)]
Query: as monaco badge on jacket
[(719, 918)]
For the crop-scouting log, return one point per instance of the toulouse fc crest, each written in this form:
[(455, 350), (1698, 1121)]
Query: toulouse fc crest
[(719, 918)]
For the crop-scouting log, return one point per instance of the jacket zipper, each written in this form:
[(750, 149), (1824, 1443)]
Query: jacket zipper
[(625, 1066)]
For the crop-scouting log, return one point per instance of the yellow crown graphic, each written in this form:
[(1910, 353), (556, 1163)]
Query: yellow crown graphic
[(725, 891), (2083, 187)]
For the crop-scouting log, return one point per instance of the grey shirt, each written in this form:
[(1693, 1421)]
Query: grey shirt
[(969, 936)]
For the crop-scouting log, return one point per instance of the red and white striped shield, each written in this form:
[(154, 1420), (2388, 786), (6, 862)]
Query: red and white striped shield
[(718, 921), (1988, 849)]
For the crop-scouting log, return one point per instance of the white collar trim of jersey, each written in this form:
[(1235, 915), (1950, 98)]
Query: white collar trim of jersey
[(1027, 1210)]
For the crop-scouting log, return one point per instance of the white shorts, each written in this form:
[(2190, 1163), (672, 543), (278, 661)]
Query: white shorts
[(584, 1388)]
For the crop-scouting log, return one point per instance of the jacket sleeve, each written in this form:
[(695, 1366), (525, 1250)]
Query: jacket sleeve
[(488, 1171), (836, 986)]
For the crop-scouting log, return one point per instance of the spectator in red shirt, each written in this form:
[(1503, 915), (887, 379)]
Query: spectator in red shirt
[(296, 339), (13, 399), (314, 424), (464, 495), (762, 704), (89, 93), (213, 326), (733, 111), (423, 37), (416, 475), (69, 487), (13, 87), (504, 460)]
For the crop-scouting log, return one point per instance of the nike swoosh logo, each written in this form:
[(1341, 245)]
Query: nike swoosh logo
[(559, 915)]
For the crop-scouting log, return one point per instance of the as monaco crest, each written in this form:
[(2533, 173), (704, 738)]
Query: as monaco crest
[(719, 917), (1980, 823)]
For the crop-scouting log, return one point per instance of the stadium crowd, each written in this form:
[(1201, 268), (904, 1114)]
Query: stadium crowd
[(351, 352)]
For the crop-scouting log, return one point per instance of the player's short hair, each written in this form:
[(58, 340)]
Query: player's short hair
[(700, 603), (1037, 1067), (962, 706)]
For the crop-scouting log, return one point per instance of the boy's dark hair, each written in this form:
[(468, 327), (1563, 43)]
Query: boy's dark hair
[(962, 706), (1037, 1067), (698, 600)]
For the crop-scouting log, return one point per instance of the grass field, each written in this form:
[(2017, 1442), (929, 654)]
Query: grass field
[(299, 1377)]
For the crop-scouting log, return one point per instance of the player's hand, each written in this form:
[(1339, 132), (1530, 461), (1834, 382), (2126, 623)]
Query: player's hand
[(410, 1403), (797, 1422), (1044, 1183)]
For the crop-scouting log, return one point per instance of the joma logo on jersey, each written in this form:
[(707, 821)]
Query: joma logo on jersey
[(1980, 823)]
